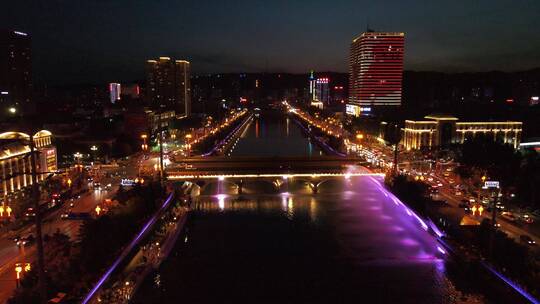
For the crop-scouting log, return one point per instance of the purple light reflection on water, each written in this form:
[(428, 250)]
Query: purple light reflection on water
[(440, 253), (347, 194), (410, 240), (396, 228)]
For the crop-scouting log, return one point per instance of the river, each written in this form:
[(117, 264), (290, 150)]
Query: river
[(351, 242)]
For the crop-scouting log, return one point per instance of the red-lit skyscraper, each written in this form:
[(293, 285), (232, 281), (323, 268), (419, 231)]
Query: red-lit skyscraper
[(375, 71)]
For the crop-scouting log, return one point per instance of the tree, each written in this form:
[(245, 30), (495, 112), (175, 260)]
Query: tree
[(499, 161), (411, 192), (528, 180)]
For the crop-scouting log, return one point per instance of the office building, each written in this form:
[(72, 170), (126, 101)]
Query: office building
[(312, 83), (183, 87), (15, 69), (442, 130), (322, 90), (375, 71), (114, 92), (169, 85)]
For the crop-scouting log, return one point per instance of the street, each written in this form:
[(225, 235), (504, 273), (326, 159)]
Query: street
[(10, 253)]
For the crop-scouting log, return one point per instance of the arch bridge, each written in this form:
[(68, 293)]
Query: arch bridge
[(278, 171)]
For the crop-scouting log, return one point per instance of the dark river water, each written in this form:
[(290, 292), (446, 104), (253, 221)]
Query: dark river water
[(353, 242), (274, 135)]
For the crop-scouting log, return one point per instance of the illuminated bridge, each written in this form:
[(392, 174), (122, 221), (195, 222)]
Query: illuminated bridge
[(312, 171)]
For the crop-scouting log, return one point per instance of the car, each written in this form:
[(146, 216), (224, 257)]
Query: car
[(78, 216), (459, 193), (30, 212), (497, 224), (508, 216), (527, 219), (25, 241), (16, 239), (527, 239)]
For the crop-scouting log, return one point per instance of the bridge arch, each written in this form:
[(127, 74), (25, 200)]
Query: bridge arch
[(255, 185), (221, 186)]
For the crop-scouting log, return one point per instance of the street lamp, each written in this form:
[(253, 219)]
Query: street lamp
[(483, 178), (6, 209), (19, 268), (144, 146), (94, 149), (77, 156)]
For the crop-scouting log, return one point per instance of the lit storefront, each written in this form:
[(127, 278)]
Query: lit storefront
[(15, 161)]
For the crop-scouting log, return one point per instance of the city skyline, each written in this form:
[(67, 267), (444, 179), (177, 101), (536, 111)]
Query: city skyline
[(269, 151), (217, 39)]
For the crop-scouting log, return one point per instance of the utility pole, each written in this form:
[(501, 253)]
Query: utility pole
[(39, 240), (396, 143), (161, 175), (493, 224)]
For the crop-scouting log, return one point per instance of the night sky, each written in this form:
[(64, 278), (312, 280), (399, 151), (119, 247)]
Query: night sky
[(94, 41)]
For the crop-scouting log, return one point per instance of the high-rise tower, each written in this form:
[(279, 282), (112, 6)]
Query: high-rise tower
[(375, 71), (15, 70), (169, 85)]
